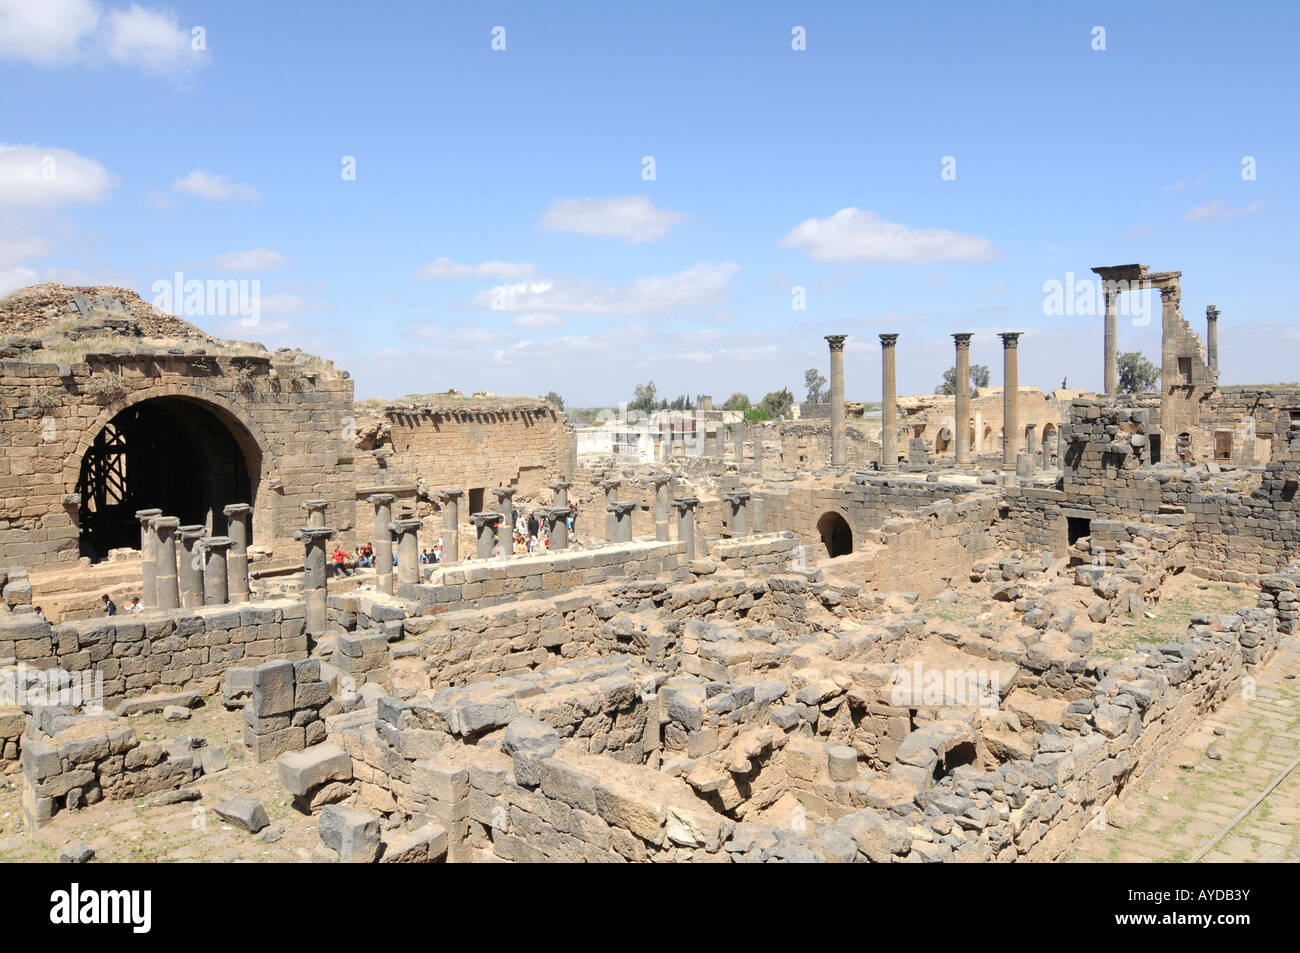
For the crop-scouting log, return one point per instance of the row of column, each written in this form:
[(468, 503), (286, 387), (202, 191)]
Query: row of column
[(207, 570), (889, 399), (1169, 302)]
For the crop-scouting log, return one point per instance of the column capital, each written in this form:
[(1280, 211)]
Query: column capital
[(194, 531), (1010, 339), (314, 504), (381, 499), (888, 340), (836, 341), (405, 526), (145, 516), (479, 519), (962, 338), (686, 502), (448, 494), (1211, 313), (165, 524), (560, 485), (737, 496), (314, 534), (217, 544), (236, 509), (621, 506), (502, 492)]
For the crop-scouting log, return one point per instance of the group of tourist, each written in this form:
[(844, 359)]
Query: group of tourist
[(532, 534)]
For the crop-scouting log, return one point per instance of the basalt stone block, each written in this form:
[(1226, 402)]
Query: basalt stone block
[(353, 835), (303, 771), (273, 689), (243, 811)]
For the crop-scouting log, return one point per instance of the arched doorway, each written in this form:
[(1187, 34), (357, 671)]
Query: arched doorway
[(186, 457), (835, 533)]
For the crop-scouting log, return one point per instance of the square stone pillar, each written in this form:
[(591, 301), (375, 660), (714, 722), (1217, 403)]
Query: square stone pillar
[(759, 431), (449, 497), (758, 514), (738, 435), (739, 500), (621, 511), (661, 482), (148, 562), (685, 506), (560, 492), (315, 511), (1170, 320), (961, 414), (838, 452), (191, 565), (407, 534), (888, 404), (164, 548), (1010, 400), (1025, 466), (506, 505), (557, 524), (238, 516), (383, 504), (216, 582), (1212, 339), (1031, 444), (486, 524), (315, 576)]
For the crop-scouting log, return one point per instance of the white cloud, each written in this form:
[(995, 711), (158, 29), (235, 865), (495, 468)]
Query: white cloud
[(289, 304), (500, 270), (15, 249), (256, 259), (538, 322), (854, 235), (14, 278), (32, 176), (702, 286), (1216, 211), (1185, 183), (217, 188), (46, 32), (151, 40), (67, 32), (632, 217)]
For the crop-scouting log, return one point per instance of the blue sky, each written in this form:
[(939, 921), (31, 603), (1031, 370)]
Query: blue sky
[(499, 233)]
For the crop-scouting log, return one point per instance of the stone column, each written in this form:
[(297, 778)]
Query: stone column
[(1212, 338), (685, 506), (611, 494), (383, 504), (739, 500), (315, 511), (164, 550), (191, 565), (148, 562), (758, 514), (407, 533), (621, 512), (1010, 401), (485, 525), (560, 491), (738, 435), (1110, 298), (450, 500), (888, 404), (1031, 444), (238, 516), (216, 585), (1169, 319), (315, 575), (962, 412), (506, 504), (557, 519), (838, 452), (661, 482), (758, 432)]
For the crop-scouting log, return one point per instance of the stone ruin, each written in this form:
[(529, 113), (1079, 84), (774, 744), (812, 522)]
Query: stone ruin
[(747, 650)]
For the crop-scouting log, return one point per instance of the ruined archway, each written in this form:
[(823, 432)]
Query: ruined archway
[(835, 534), (184, 456)]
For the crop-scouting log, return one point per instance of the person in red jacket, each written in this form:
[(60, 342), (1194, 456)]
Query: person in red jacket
[(341, 562)]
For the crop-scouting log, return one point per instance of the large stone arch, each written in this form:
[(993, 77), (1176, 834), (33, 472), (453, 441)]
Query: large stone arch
[(219, 443)]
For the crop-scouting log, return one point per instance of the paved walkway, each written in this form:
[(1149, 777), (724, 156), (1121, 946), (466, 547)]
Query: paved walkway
[(1184, 804)]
